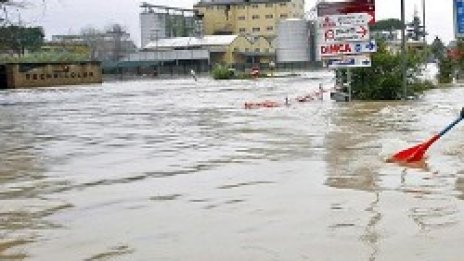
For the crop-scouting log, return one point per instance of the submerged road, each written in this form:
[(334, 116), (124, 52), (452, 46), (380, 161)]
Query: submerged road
[(179, 170)]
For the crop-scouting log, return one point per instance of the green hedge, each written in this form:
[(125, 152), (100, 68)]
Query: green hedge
[(37, 57)]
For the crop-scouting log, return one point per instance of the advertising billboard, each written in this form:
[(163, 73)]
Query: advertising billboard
[(458, 18)]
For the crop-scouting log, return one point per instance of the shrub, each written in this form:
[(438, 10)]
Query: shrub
[(445, 71), (383, 81), (222, 72)]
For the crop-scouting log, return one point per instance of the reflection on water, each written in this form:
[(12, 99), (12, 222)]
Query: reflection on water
[(163, 170)]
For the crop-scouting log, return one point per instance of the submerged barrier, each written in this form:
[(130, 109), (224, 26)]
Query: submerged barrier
[(263, 104), (317, 95)]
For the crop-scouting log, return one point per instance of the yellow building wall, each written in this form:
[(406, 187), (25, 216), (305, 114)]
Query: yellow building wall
[(249, 18), (244, 45), (261, 45), (215, 19)]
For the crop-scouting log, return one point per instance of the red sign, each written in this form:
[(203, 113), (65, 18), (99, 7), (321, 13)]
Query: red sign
[(353, 6), (340, 48), (347, 48)]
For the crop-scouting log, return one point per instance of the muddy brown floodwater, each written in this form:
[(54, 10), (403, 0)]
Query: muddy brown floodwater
[(178, 170)]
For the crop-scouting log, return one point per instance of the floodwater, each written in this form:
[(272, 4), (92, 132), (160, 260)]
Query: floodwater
[(178, 170)]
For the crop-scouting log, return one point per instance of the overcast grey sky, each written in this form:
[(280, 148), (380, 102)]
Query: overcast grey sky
[(69, 16)]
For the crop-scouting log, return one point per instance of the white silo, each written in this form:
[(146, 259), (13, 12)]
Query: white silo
[(292, 41), (153, 27)]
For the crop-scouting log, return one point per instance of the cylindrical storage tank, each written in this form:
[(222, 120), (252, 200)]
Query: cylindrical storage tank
[(292, 43), (153, 27)]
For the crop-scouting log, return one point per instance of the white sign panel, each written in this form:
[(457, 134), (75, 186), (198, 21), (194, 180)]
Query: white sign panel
[(344, 34), (329, 21), (351, 61), (337, 49)]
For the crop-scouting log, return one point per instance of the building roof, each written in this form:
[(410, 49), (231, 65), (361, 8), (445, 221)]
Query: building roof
[(183, 42)]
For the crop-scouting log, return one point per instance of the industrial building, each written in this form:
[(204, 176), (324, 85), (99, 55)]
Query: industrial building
[(281, 22), (240, 33), (180, 54)]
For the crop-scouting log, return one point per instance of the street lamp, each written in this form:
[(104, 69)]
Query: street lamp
[(403, 50)]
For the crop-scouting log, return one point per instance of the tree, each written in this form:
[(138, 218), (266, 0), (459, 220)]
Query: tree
[(446, 69), (384, 29), (19, 38), (387, 25), (383, 80), (94, 40), (438, 49), (119, 38)]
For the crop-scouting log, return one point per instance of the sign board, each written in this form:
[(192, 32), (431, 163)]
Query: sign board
[(337, 49), (352, 61), (328, 21), (458, 18), (348, 7), (344, 34)]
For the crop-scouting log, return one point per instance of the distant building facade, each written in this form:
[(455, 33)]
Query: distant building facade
[(247, 17)]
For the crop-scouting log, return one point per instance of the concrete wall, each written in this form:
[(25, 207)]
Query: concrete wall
[(27, 75)]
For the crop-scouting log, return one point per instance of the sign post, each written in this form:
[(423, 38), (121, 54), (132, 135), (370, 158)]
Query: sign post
[(344, 38), (348, 79)]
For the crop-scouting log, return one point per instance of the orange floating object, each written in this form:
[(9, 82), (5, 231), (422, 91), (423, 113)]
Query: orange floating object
[(416, 153)]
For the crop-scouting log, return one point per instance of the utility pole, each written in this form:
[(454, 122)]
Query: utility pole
[(403, 50), (423, 22)]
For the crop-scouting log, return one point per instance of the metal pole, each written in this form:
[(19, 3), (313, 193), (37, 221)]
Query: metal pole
[(403, 50), (423, 22), (348, 79)]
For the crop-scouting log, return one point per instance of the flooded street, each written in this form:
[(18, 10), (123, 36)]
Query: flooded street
[(178, 170)]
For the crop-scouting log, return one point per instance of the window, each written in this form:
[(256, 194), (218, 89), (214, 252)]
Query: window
[(256, 29), (283, 4), (210, 7), (241, 17), (269, 28), (268, 5), (236, 49), (283, 16), (254, 6), (269, 16), (247, 50), (266, 50), (241, 7), (254, 17), (242, 30), (257, 50)]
